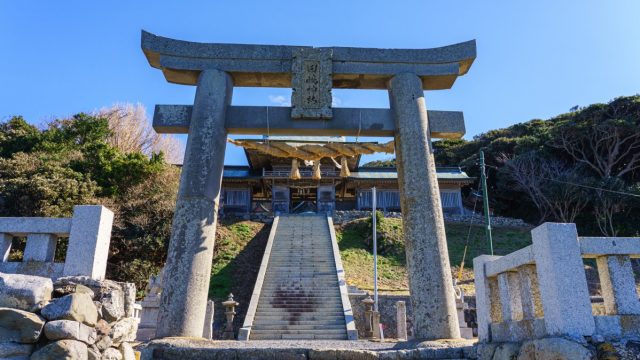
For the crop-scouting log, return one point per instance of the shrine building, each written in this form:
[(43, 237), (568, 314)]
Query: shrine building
[(266, 184)]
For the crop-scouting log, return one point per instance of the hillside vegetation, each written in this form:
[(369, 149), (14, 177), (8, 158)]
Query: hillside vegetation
[(354, 240), (582, 167)]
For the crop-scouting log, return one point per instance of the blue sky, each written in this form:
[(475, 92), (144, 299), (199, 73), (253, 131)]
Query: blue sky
[(535, 59)]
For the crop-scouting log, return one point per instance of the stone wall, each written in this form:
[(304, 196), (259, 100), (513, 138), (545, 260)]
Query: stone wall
[(340, 217), (72, 318), (387, 308)]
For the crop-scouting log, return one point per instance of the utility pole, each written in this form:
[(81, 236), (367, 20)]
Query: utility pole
[(375, 249), (485, 199)]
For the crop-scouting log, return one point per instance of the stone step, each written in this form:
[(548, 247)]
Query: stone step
[(309, 290), (303, 318), (300, 300), (333, 333), (294, 308), (273, 321), (297, 327), (285, 298), (315, 312)]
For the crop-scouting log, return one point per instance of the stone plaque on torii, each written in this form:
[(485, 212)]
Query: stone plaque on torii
[(311, 72)]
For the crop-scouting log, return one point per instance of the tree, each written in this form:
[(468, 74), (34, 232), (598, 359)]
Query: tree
[(16, 135), (38, 184), (606, 138), (549, 184), (131, 132)]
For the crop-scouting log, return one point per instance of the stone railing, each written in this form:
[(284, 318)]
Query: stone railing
[(89, 233), (541, 290)]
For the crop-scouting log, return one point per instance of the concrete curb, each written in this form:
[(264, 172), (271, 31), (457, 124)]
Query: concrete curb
[(352, 332)]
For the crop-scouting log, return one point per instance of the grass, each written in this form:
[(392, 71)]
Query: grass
[(231, 238), (354, 240)]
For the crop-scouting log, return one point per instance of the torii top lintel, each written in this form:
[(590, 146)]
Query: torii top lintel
[(271, 65)]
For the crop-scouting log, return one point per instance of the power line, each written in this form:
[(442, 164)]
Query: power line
[(576, 184)]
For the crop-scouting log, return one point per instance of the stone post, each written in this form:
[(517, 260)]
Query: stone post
[(207, 332), (430, 284), (530, 293), (188, 268), (375, 323), (509, 293), (562, 281), (40, 247), (230, 313), (401, 320), (618, 285), (484, 299), (89, 241), (5, 246), (368, 317)]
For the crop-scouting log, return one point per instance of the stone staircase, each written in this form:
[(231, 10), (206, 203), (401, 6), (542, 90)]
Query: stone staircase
[(300, 296)]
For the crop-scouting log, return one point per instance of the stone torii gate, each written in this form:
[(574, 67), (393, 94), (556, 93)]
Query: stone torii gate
[(311, 72)]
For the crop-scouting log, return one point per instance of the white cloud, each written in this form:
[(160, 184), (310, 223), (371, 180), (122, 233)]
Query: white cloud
[(279, 100), (335, 101)]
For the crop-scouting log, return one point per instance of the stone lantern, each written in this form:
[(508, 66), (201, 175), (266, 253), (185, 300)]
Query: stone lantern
[(230, 312), (368, 316)]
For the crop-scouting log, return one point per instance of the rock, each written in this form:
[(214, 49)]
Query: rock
[(554, 349), (63, 349), (113, 305), (124, 330), (485, 351), (93, 354), (78, 307), (69, 329), (60, 290), (506, 351), (129, 291), (127, 351), (103, 327), (24, 292), (112, 354), (98, 305), (104, 342), (12, 350), (99, 287), (20, 326)]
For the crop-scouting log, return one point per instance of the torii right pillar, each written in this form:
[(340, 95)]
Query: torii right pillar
[(430, 283)]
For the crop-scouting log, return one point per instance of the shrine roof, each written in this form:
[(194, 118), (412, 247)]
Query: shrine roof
[(444, 173)]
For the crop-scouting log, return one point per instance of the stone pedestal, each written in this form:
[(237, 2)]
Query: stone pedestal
[(188, 267), (430, 283)]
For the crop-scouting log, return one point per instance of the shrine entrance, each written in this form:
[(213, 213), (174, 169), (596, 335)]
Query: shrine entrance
[(311, 73)]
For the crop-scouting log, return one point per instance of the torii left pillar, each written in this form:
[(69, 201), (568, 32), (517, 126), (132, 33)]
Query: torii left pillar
[(188, 267)]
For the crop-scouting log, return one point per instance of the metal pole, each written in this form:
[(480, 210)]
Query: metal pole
[(375, 249), (485, 199)]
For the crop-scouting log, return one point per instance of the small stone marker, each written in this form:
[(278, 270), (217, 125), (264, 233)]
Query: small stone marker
[(208, 321), (377, 330), (401, 320)]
